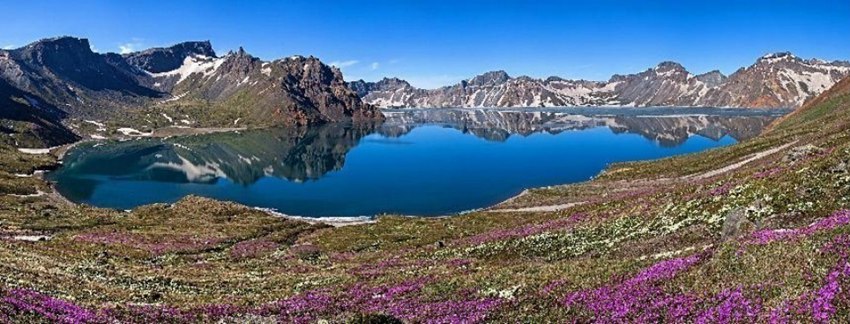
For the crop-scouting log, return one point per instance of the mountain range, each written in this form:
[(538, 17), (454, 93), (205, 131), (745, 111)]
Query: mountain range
[(45, 83), (54, 90), (779, 80)]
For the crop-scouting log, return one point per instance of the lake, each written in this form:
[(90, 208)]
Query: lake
[(419, 162)]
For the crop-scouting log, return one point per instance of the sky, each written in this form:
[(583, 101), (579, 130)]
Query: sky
[(436, 43)]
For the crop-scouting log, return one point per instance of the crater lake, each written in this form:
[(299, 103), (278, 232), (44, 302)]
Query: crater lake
[(422, 162)]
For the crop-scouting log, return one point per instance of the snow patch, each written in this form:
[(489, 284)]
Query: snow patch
[(36, 150), (132, 132), (191, 65)]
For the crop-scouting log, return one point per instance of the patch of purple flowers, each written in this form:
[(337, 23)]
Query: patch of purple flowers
[(640, 298), (156, 246), (731, 306), (767, 173), (24, 302), (820, 305), (721, 190), (528, 230), (400, 300), (252, 248), (837, 219)]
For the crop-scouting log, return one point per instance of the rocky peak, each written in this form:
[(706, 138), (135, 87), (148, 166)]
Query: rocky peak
[(555, 79), (45, 50), (669, 66), (490, 78), (712, 78), (361, 87), (392, 83), (163, 59), (773, 58), (62, 43)]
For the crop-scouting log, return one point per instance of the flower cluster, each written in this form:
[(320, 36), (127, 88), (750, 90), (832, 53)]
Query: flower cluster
[(837, 219), (399, 300), (767, 173), (731, 306), (722, 189), (24, 302), (640, 298), (156, 246), (643, 299), (252, 248), (524, 231)]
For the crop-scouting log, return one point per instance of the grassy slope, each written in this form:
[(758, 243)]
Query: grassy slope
[(644, 245)]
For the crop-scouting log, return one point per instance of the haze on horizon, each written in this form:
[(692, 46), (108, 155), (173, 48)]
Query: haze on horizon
[(436, 43)]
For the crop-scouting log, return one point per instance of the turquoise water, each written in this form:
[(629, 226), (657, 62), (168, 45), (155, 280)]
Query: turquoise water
[(345, 170)]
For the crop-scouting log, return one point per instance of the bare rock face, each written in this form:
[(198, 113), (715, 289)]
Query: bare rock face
[(778, 80), (158, 60)]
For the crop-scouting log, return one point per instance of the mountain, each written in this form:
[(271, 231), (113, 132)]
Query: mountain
[(779, 80), (65, 73), (294, 90), (187, 79)]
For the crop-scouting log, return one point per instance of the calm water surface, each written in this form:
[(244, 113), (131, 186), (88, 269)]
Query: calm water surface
[(419, 162)]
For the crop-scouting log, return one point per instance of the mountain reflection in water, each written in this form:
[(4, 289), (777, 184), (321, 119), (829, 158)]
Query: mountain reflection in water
[(217, 165)]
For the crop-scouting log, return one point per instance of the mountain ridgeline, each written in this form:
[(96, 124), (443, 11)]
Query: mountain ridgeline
[(779, 80), (47, 82)]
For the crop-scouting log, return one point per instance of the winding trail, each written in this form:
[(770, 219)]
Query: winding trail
[(699, 176), (733, 166), (548, 208)]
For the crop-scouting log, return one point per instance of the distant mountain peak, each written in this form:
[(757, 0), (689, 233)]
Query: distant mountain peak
[(777, 57), (394, 80), (712, 78), (490, 78), (666, 65), (669, 67)]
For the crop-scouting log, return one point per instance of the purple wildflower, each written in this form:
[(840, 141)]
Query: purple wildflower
[(639, 298), (837, 219)]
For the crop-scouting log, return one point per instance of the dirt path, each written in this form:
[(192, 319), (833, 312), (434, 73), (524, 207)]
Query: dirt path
[(737, 165), (548, 208)]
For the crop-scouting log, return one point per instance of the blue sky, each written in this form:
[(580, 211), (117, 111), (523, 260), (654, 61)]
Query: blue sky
[(434, 43)]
